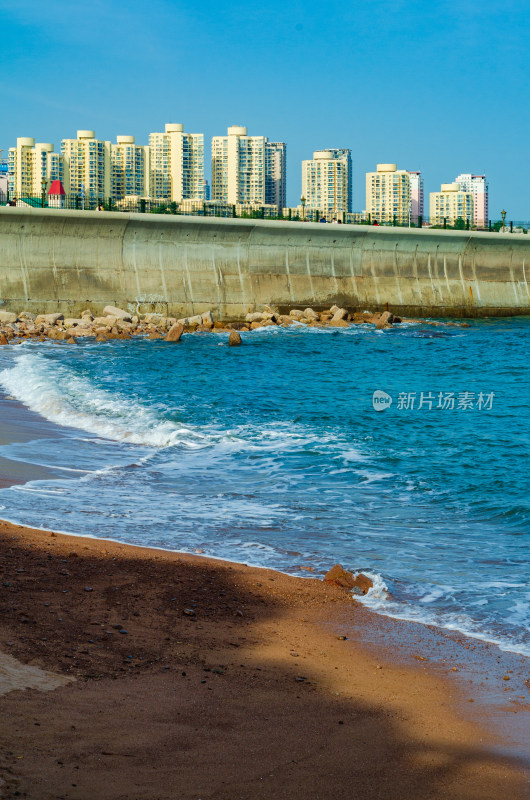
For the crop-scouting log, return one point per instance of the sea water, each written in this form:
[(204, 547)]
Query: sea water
[(273, 454)]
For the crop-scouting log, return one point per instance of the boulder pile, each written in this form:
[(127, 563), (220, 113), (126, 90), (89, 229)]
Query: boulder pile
[(117, 323)]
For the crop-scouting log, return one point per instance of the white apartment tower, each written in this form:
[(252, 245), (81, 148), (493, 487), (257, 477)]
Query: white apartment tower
[(476, 184), (130, 168), (388, 194), (327, 181), (416, 196), (275, 174), (32, 168), (87, 168), (176, 164), (238, 167), (248, 170)]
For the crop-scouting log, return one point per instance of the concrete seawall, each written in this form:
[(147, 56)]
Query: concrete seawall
[(53, 260)]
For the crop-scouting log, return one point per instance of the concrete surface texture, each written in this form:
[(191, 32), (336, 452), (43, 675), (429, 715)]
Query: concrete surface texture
[(56, 260)]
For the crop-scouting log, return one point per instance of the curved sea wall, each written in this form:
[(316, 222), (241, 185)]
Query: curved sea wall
[(54, 260)]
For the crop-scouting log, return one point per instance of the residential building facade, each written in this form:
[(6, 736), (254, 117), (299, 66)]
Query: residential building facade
[(87, 168), (388, 194), (238, 167), (276, 174), (477, 185), (327, 181), (451, 204), (31, 168), (176, 161), (130, 168), (416, 196)]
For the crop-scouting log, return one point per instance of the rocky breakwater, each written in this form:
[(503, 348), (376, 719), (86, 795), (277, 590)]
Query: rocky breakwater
[(117, 323)]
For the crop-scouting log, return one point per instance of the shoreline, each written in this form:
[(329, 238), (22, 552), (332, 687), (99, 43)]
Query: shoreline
[(386, 682)]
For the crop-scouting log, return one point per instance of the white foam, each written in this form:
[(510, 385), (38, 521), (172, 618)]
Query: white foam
[(55, 392)]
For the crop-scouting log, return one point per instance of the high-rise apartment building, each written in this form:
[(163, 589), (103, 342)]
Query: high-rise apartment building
[(87, 168), (327, 181), (275, 174), (248, 170), (476, 184), (416, 196), (31, 168), (450, 205), (130, 168), (176, 164), (388, 194), (238, 167)]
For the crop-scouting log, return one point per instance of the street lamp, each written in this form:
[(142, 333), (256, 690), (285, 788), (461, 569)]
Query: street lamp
[(303, 202), (503, 215)]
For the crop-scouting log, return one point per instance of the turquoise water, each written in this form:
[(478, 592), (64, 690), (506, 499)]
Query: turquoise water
[(273, 454)]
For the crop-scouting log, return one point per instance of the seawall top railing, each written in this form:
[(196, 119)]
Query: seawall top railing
[(209, 208)]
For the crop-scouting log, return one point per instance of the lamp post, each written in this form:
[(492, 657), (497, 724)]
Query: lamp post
[(303, 202), (503, 215)]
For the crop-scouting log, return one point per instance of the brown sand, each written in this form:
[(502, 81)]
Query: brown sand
[(249, 695)]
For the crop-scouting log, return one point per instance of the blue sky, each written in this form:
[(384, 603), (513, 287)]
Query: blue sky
[(441, 87)]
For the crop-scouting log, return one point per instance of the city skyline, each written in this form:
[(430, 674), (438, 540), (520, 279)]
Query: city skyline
[(393, 88), (246, 169)]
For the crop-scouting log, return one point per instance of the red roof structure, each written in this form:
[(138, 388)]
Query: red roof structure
[(56, 188)]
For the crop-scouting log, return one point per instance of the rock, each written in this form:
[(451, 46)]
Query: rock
[(254, 316), (397, 320), (333, 310), (101, 337), (8, 316), (338, 323), (234, 340), (267, 322), (87, 313), (283, 319), (175, 332), (27, 316), (384, 321), (152, 319), (119, 313), (189, 612), (338, 576), (75, 322), (104, 321), (3, 339), (255, 325), (207, 318), (296, 313), (48, 319), (196, 320), (340, 313), (361, 317), (310, 314), (71, 340), (363, 582), (156, 335)]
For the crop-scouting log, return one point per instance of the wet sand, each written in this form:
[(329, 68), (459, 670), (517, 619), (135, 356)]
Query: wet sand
[(196, 678)]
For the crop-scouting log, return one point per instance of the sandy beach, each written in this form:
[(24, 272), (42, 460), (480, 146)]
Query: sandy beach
[(155, 675)]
